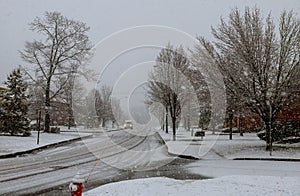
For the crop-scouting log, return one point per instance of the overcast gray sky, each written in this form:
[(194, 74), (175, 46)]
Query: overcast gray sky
[(105, 17)]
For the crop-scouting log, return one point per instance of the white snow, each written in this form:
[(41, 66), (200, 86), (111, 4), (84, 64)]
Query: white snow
[(216, 152), (12, 144), (219, 168), (228, 185), (232, 177), (247, 146)]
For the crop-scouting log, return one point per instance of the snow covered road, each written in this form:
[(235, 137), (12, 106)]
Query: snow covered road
[(54, 168)]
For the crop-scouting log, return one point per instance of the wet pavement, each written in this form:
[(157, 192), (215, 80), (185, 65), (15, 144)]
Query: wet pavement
[(174, 169)]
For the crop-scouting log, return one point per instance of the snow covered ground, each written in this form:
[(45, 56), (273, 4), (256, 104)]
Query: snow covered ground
[(228, 185), (247, 146), (220, 168), (12, 144), (216, 152), (231, 177)]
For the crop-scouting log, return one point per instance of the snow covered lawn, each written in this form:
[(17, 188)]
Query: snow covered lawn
[(247, 146), (250, 146), (12, 144), (223, 167), (228, 185)]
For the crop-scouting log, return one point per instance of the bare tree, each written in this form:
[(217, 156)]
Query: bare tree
[(88, 113), (158, 110), (77, 101), (117, 113), (103, 104), (63, 48), (196, 110), (166, 82), (259, 68)]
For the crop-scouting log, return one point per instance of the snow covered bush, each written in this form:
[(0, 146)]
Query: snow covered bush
[(287, 133)]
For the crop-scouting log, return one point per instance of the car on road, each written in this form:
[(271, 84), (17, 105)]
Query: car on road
[(128, 125)]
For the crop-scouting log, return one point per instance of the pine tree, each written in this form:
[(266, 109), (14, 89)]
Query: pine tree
[(14, 106)]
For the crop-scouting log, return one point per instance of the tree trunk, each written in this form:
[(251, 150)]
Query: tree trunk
[(230, 125), (70, 116), (189, 123), (167, 129), (103, 122), (163, 123), (47, 108), (240, 121), (174, 127), (268, 135), (70, 110)]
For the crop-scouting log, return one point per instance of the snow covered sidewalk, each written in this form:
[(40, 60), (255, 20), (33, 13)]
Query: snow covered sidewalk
[(241, 147), (12, 145), (227, 185), (185, 144)]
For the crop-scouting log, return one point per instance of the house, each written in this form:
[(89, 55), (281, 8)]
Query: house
[(291, 113), (59, 114), (254, 123)]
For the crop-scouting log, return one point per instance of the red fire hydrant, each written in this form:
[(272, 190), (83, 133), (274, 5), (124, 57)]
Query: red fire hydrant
[(76, 185)]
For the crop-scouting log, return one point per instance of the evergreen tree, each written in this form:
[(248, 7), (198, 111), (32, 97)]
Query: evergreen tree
[(14, 106)]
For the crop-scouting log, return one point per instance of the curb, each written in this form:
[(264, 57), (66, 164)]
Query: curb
[(15, 154), (174, 154), (89, 131), (245, 158), (268, 159), (184, 156)]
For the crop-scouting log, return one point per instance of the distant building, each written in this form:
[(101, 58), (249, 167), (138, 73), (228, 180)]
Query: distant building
[(249, 123), (254, 123), (58, 113), (291, 113)]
